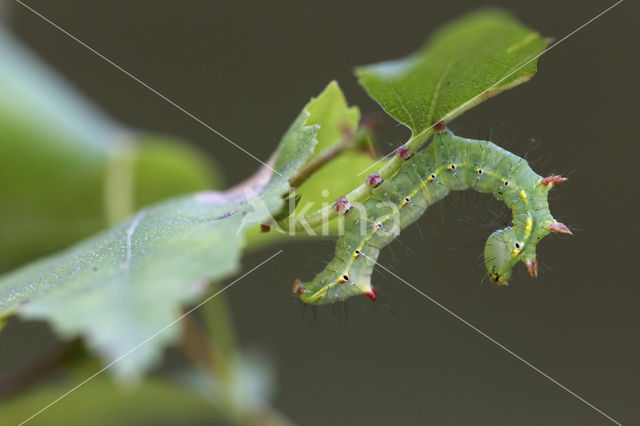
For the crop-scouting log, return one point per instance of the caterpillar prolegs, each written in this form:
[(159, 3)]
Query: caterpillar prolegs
[(449, 163)]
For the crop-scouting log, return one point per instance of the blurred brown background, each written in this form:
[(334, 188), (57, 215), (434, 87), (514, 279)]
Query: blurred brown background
[(247, 68)]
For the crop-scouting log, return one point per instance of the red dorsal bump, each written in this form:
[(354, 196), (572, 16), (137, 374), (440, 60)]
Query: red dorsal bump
[(374, 180), (342, 205), (404, 152)]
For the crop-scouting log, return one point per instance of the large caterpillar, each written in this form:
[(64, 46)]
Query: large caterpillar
[(449, 163)]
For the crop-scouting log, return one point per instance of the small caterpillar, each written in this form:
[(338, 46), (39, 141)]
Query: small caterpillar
[(449, 163)]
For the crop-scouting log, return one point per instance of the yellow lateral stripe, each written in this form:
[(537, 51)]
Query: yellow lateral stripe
[(528, 226)]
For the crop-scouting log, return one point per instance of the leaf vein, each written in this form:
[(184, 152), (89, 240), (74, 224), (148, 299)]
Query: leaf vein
[(404, 107), (130, 231), (436, 92)]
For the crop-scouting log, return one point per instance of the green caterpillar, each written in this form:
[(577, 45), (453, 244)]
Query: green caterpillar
[(449, 163)]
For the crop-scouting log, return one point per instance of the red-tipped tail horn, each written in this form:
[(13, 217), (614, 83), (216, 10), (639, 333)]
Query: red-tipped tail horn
[(552, 180), (371, 293), (298, 287), (532, 267), (559, 227)]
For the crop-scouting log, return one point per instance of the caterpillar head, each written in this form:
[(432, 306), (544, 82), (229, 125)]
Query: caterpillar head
[(509, 246), (503, 250)]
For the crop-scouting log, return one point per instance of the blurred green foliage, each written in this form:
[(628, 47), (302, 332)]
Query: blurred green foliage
[(67, 170), (101, 400)]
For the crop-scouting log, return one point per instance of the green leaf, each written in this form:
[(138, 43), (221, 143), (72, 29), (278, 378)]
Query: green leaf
[(68, 170), (331, 112), (340, 175), (124, 285), (463, 64)]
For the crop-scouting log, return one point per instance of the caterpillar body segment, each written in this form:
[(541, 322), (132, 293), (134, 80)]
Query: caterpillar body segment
[(449, 163)]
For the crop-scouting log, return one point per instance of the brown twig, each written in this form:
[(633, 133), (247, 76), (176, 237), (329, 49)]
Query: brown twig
[(362, 139), (195, 346), (24, 377), (323, 158)]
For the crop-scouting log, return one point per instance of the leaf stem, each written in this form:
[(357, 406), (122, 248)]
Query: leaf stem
[(362, 139), (323, 158)]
